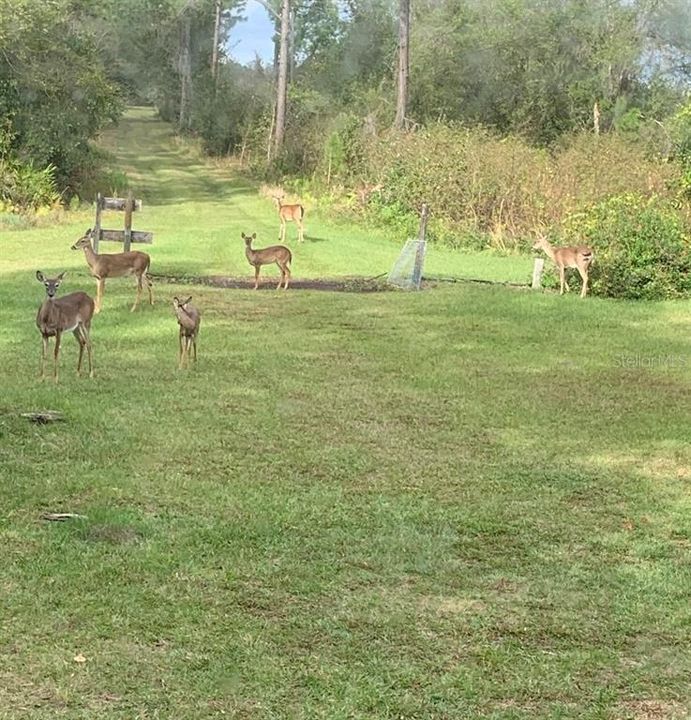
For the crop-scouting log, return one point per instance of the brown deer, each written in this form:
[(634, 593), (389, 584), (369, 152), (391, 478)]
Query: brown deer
[(278, 254), (71, 313), (364, 190), (110, 265), (188, 319), (289, 213), (579, 257)]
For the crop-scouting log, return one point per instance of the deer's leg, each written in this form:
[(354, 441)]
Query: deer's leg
[(86, 332), (44, 353), (256, 276), (150, 285), (282, 234), (301, 230), (180, 348), (139, 293), (285, 273), (194, 345), (562, 280), (80, 339), (100, 289), (55, 356), (584, 275)]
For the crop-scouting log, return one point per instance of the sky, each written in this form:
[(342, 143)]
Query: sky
[(252, 36)]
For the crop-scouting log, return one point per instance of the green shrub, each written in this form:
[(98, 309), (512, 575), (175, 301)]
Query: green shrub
[(25, 188), (641, 245)]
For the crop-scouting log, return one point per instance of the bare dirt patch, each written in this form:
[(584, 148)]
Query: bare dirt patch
[(345, 284), (651, 710)]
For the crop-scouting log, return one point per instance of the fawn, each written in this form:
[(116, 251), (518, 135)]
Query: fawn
[(188, 319)]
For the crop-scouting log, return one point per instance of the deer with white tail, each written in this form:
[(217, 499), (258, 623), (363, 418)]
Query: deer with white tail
[(71, 313), (108, 265), (579, 257)]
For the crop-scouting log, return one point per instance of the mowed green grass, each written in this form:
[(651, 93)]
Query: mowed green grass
[(468, 502)]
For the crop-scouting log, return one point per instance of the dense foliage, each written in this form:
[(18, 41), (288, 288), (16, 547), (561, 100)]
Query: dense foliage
[(55, 93), (643, 249)]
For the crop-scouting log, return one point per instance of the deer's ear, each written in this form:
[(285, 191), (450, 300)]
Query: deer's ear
[(254, 236), (40, 276), (189, 299), (61, 275)]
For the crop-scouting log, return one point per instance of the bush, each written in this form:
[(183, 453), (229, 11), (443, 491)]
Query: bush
[(501, 189), (642, 248), (24, 188)]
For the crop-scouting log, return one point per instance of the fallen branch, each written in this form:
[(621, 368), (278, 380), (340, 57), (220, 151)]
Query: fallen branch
[(44, 416)]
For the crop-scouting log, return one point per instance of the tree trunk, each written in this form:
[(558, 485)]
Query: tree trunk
[(291, 48), (185, 68), (403, 63), (214, 52), (282, 83)]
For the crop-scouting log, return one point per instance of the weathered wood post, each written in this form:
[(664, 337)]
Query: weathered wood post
[(97, 223), (129, 207), (538, 267), (126, 236)]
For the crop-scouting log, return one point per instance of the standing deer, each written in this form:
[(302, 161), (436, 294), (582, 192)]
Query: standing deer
[(104, 266), (579, 257), (71, 313), (278, 254), (188, 319), (289, 213)]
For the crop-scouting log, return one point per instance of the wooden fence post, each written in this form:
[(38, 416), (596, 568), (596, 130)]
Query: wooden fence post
[(129, 206), (538, 267), (97, 224)]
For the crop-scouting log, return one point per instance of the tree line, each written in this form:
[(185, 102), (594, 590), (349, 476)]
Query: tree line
[(537, 69)]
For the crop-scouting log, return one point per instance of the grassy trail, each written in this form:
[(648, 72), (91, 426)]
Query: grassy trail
[(468, 502)]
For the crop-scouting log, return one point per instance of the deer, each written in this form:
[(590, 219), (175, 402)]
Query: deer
[(278, 254), (364, 190), (579, 257), (108, 265), (188, 319), (289, 213), (70, 313)]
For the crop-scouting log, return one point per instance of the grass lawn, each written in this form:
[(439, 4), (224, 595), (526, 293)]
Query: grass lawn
[(468, 502)]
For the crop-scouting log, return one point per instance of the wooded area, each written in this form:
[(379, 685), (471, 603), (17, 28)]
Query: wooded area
[(547, 108)]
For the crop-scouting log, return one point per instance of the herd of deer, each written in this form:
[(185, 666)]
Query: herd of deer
[(74, 312)]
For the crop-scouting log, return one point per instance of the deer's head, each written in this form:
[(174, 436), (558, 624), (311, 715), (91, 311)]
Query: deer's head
[(84, 241), (180, 304), (51, 284), (248, 238), (540, 243)]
